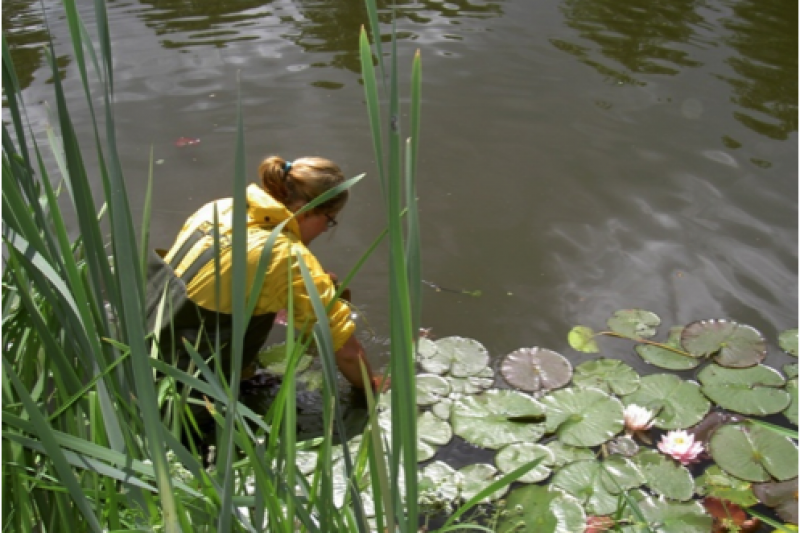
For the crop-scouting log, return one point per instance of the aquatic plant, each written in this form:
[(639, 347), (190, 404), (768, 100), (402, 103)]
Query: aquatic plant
[(681, 446)]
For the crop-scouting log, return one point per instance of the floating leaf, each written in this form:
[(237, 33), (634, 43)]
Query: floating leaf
[(671, 517), (608, 375), (717, 483), (634, 323), (665, 476), (678, 404), (663, 358), (274, 360), (483, 419), (623, 445), (620, 474), (787, 340), (519, 454), (791, 411), (433, 430), (583, 417), (781, 496), (536, 369), (313, 380), (431, 389), (710, 423), (751, 391), (477, 477), (440, 484), (564, 454), (735, 345), (543, 510), (470, 385), (443, 409), (753, 452), (459, 356), (729, 517), (581, 339), (790, 370), (582, 479)]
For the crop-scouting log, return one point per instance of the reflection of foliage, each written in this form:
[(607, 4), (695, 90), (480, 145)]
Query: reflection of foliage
[(765, 37), (25, 33), (641, 36)]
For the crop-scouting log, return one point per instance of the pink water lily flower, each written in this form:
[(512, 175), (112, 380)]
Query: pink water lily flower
[(681, 446), (637, 418)]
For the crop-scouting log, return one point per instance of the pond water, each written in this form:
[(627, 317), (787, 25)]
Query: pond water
[(577, 156)]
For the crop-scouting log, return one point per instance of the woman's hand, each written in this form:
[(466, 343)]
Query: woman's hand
[(381, 383)]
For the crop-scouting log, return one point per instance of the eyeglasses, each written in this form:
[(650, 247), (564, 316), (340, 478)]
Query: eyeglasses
[(332, 222)]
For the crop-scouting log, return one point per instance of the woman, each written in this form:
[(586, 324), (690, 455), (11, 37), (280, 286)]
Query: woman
[(197, 310)]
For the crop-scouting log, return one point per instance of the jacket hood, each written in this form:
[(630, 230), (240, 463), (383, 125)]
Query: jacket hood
[(265, 211)]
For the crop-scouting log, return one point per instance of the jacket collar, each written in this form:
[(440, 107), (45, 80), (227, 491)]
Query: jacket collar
[(267, 212)]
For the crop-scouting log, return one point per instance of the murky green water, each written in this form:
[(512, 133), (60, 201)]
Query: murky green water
[(577, 156)]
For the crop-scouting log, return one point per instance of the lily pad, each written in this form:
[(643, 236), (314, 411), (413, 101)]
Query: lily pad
[(787, 340), (433, 430), (440, 484), (754, 453), (717, 483), (470, 385), (536, 369), (781, 496), (583, 479), (790, 370), (623, 445), (791, 411), (664, 476), (519, 454), (458, 356), (477, 477), (495, 418), (581, 339), (671, 517), (583, 417), (663, 358), (620, 474), (677, 403), (751, 391), (564, 454), (733, 345), (543, 510), (431, 389), (443, 409), (274, 359), (608, 375), (634, 323)]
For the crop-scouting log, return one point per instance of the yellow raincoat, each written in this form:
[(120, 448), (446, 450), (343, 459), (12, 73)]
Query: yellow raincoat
[(263, 214)]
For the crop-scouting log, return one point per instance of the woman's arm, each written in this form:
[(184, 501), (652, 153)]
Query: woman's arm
[(349, 359)]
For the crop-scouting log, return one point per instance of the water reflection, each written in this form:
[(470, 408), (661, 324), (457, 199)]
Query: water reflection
[(641, 36), (26, 35), (764, 34)]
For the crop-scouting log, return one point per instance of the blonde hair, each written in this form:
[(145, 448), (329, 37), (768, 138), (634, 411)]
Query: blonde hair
[(300, 181)]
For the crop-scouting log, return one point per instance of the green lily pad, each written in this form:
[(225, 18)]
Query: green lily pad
[(608, 375), (477, 477), (717, 483), (670, 517), (433, 430), (492, 419), (581, 339), (439, 485), (663, 358), (620, 474), (790, 370), (753, 453), (443, 409), (543, 510), (781, 496), (583, 479), (623, 445), (431, 388), (470, 385), (634, 323), (312, 379), (665, 476), (564, 454), (751, 391), (733, 345), (536, 369), (787, 340), (791, 411), (678, 404), (457, 356), (274, 360), (513, 456), (583, 417)]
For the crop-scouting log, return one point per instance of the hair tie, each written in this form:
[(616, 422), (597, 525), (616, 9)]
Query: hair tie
[(287, 166)]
